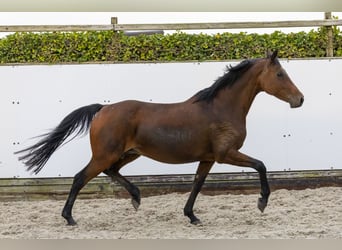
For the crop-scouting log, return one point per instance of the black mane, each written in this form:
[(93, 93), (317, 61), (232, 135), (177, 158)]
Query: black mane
[(228, 79)]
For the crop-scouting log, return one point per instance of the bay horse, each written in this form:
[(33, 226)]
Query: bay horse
[(209, 127)]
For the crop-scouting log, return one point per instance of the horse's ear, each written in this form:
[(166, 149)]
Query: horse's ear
[(274, 55)]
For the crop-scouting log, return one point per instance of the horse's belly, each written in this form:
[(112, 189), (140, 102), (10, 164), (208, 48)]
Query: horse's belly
[(174, 157), (173, 146)]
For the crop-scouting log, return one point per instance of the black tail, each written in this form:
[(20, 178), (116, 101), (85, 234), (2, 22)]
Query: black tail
[(38, 154)]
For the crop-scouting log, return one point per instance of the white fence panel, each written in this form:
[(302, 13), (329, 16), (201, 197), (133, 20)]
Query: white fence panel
[(36, 98)]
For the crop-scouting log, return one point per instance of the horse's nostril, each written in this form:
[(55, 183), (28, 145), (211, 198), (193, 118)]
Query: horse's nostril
[(301, 100)]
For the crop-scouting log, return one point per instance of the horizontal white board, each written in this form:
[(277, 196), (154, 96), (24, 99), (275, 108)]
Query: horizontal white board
[(36, 98)]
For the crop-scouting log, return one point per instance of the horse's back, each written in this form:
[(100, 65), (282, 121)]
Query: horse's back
[(164, 132), (126, 117)]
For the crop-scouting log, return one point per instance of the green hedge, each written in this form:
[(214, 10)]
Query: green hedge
[(59, 47)]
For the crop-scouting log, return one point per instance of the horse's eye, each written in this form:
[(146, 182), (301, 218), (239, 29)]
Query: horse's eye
[(280, 74)]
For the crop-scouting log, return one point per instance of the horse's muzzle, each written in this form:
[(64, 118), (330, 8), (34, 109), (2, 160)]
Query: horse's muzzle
[(296, 102)]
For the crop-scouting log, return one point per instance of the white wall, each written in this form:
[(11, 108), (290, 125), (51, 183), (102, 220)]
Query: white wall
[(35, 99)]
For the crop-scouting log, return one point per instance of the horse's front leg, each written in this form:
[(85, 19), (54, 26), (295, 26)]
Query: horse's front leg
[(234, 157), (202, 172)]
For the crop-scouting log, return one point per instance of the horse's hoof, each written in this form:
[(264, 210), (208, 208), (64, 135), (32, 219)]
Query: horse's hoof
[(197, 222), (135, 204), (262, 204), (71, 223)]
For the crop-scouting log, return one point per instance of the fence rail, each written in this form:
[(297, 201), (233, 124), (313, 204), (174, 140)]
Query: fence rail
[(51, 28), (227, 25), (216, 183), (170, 26)]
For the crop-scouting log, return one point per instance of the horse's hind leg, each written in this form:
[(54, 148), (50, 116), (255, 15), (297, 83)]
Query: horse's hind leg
[(113, 172), (80, 180), (202, 172), (77, 185)]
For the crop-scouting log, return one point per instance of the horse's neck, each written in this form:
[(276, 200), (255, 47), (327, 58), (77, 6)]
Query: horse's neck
[(236, 100)]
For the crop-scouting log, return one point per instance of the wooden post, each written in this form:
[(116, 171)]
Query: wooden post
[(330, 47), (114, 20)]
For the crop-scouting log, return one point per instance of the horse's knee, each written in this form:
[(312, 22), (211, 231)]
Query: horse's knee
[(260, 167)]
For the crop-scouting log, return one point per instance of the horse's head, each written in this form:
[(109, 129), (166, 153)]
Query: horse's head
[(275, 81)]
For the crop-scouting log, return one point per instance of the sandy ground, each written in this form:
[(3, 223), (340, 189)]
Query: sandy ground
[(311, 213)]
